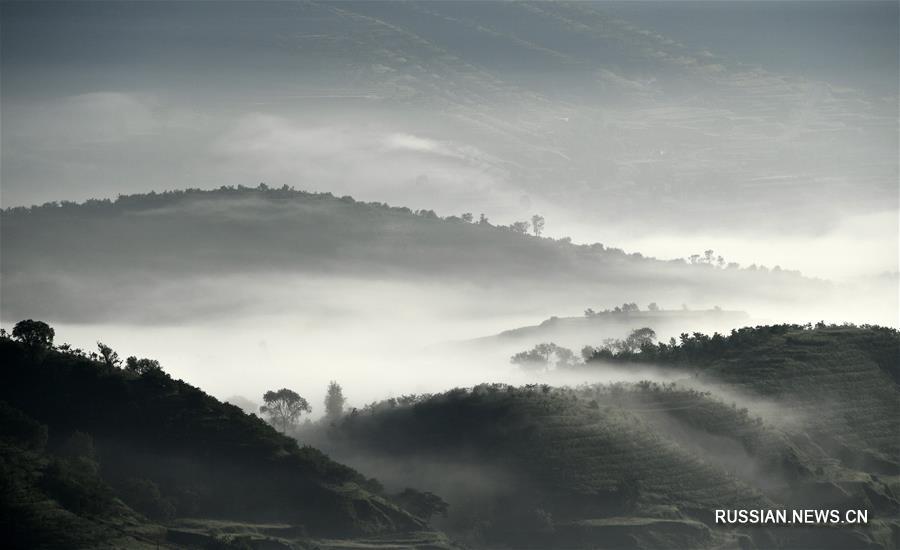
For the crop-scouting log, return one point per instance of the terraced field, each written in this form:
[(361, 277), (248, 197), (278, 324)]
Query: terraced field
[(789, 418), (840, 381)]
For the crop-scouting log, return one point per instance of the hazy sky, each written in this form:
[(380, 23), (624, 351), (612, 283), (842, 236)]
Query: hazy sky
[(767, 130)]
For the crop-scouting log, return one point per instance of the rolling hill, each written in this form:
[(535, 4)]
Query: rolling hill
[(576, 332), (103, 260), (95, 456), (770, 417)]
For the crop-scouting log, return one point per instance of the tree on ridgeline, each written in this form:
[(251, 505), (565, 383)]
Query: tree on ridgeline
[(639, 339), (334, 401), (34, 334), (537, 224), (142, 366), (110, 357), (37, 336), (520, 227), (284, 407), (539, 357)]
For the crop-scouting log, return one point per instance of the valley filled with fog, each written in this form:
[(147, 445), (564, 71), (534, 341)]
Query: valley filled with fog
[(593, 268)]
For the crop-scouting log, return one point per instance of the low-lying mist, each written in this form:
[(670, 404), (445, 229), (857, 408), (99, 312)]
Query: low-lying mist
[(378, 338)]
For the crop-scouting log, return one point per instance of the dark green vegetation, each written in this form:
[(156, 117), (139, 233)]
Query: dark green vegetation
[(97, 456), (116, 251), (769, 417)]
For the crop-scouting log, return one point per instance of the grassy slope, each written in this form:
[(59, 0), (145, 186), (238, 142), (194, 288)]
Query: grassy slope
[(209, 459)]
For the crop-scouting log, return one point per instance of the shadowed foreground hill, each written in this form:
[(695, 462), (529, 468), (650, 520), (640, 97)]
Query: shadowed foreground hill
[(117, 250), (120, 442), (646, 465)]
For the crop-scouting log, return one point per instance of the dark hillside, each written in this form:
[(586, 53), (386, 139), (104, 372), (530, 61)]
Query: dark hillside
[(648, 463), (841, 380), (170, 451)]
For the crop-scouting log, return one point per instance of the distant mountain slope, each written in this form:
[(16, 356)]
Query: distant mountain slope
[(577, 332), (781, 425), (167, 449), (87, 255)]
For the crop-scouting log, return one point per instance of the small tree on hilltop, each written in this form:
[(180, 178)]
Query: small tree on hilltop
[(520, 227), (110, 357), (537, 224), (34, 333), (37, 336), (142, 366), (334, 401), (284, 407)]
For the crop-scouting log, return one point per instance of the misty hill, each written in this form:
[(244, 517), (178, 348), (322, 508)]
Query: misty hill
[(822, 371), (576, 332), (775, 417), (103, 258), (95, 456)]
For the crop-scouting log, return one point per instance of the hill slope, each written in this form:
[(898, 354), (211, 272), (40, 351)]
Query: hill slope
[(120, 253), (168, 450), (780, 426)]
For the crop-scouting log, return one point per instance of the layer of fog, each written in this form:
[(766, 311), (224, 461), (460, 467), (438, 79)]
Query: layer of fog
[(246, 335)]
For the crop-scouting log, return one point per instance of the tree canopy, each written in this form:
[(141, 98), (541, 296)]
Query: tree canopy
[(284, 407), (34, 334)]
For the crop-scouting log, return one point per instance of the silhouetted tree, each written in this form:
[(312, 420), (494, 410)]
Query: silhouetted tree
[(537, 224), (334, 401), (482, 220), (141, 366), (36, 335), (110, 357), (284, 407), (639, 338), (538, 357), (652, 306), (467, 217)]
